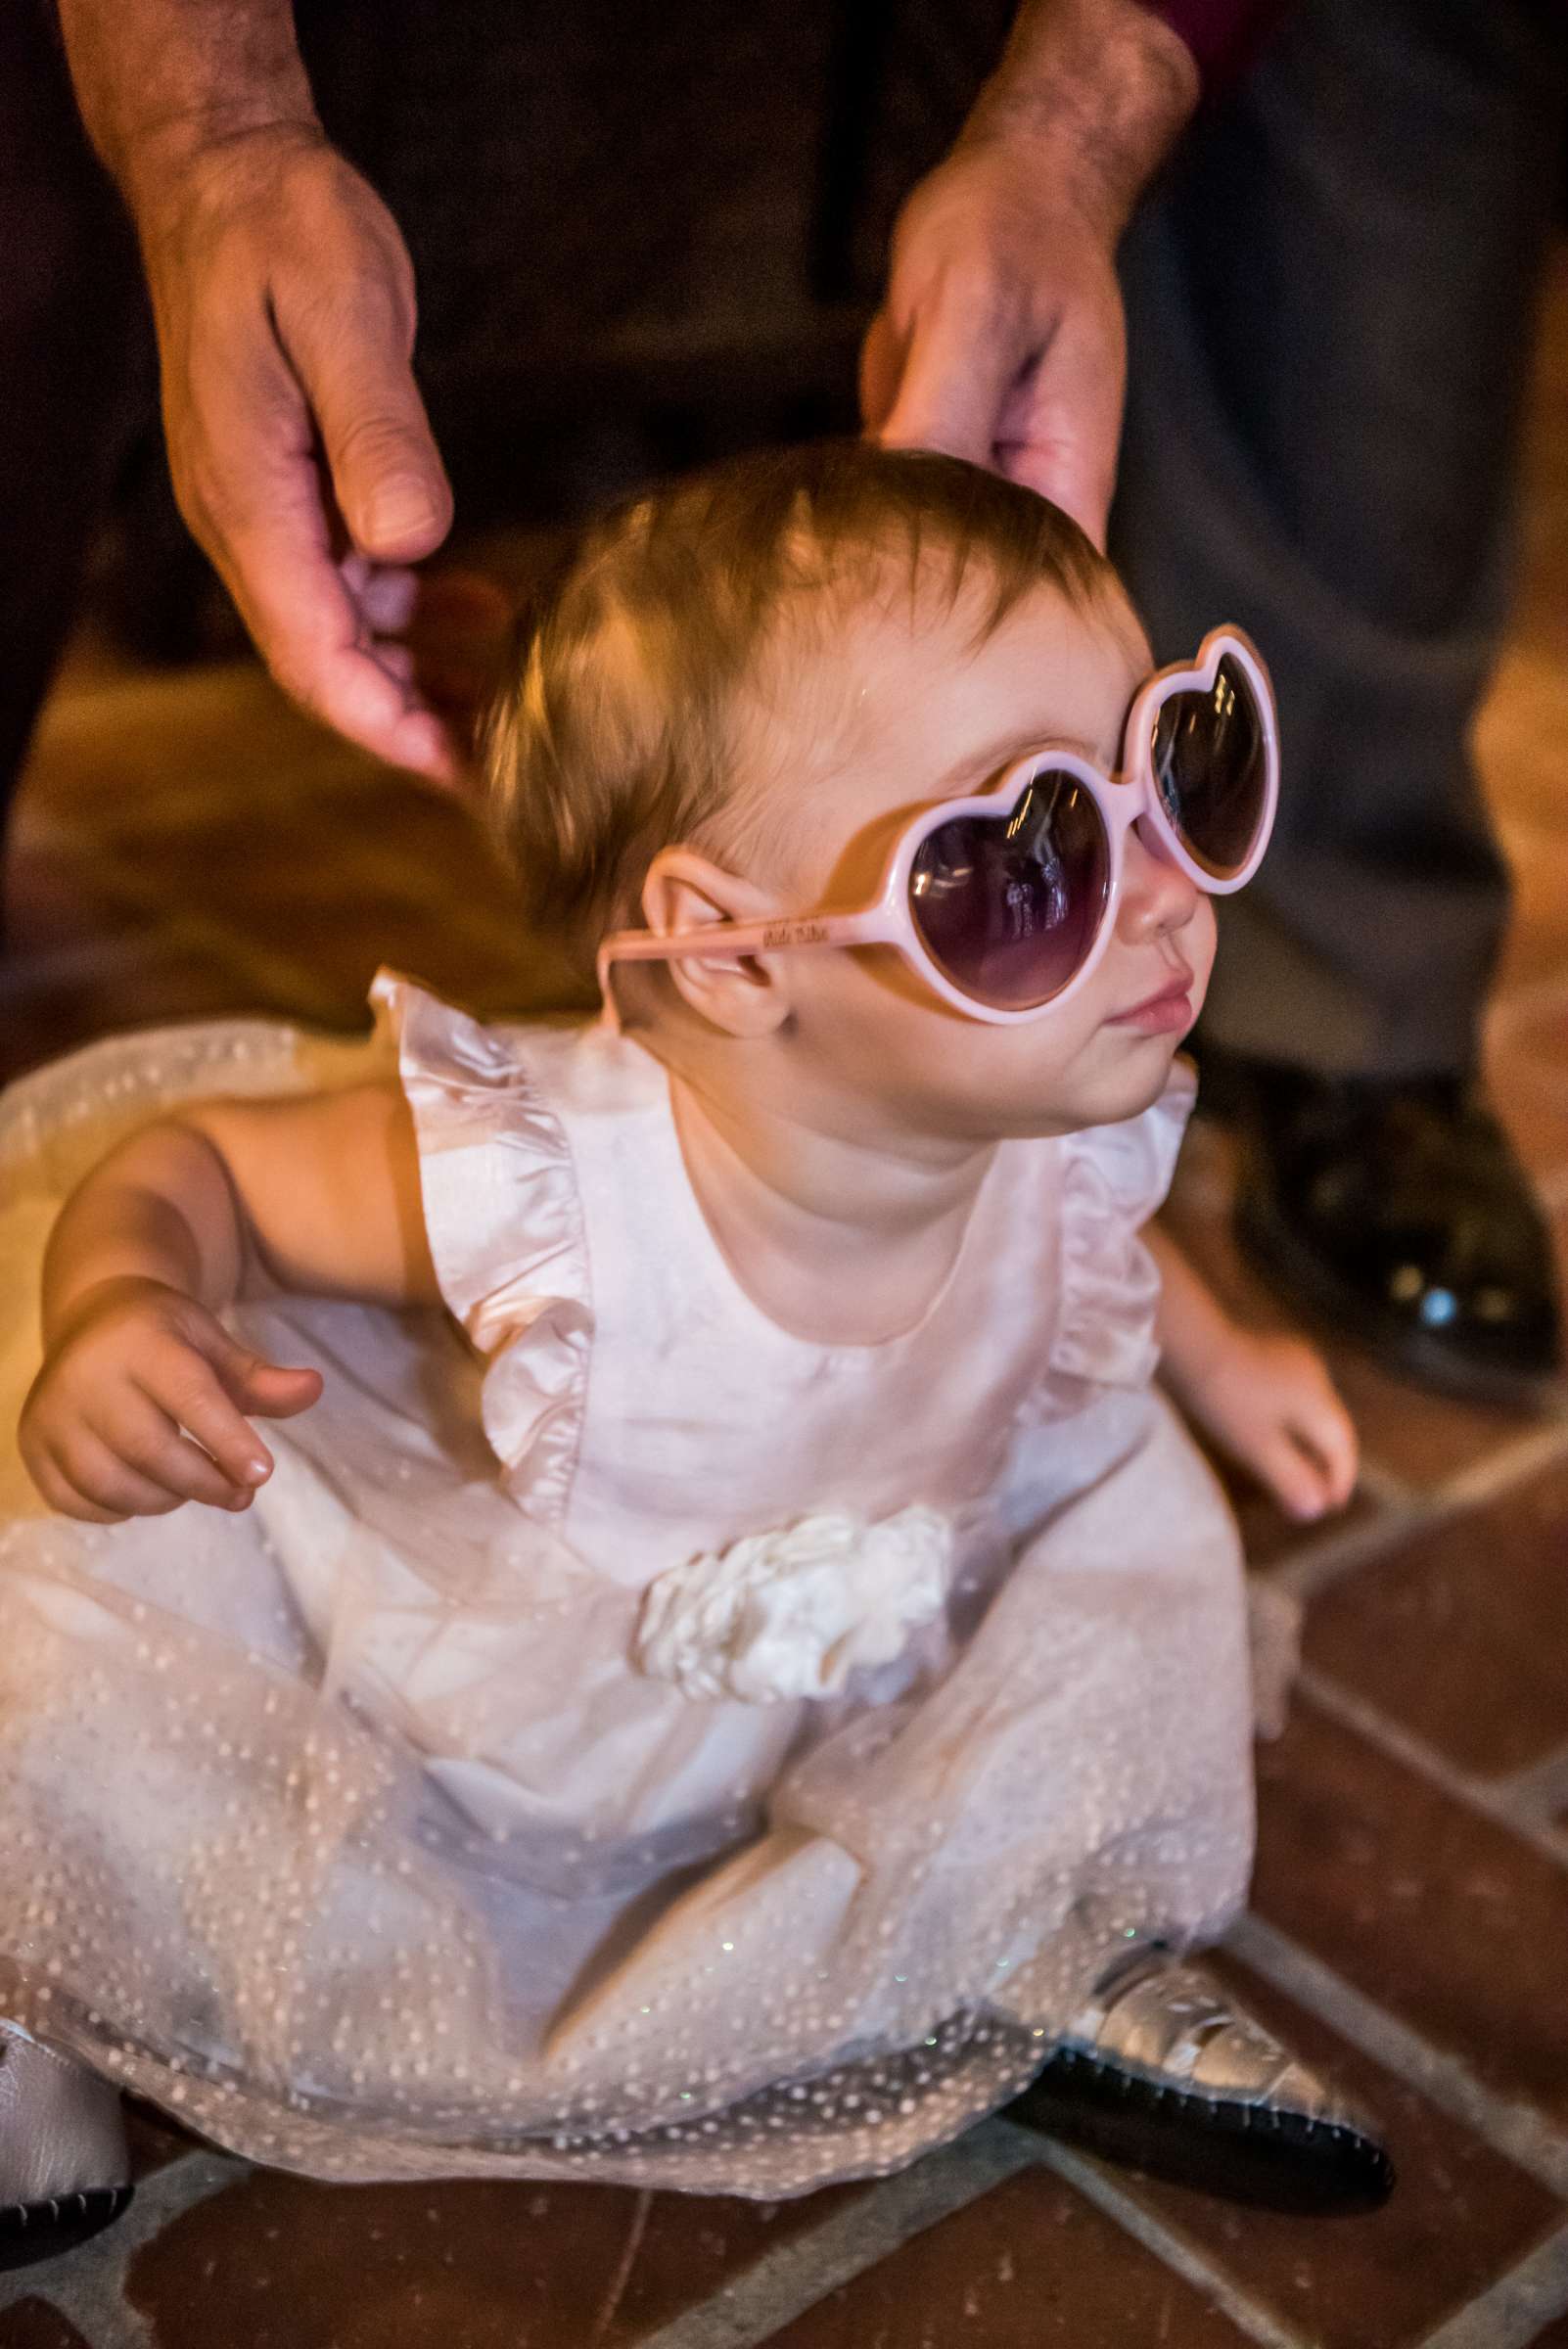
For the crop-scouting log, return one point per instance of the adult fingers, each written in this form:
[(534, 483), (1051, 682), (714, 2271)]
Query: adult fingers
[(881, 363), (386, 593), (242, 441), (1060, 429), (318, 645), (966, 344)]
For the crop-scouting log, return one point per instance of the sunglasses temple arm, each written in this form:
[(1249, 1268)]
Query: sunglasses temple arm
[(719, 940)]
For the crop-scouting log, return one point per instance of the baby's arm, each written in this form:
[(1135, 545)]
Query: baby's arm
[(321, 1191), (1264, 1397)]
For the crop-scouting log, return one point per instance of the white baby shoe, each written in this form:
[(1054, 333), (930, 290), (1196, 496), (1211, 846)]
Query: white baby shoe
[(64, 2167)]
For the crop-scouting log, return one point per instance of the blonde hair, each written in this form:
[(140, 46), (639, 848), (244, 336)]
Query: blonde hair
[(617, 730)]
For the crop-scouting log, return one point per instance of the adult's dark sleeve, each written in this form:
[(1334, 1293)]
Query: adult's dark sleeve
[(1222, 34)]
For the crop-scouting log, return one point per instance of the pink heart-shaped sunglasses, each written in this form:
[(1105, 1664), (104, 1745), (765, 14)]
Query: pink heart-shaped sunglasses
[(1003, 902)]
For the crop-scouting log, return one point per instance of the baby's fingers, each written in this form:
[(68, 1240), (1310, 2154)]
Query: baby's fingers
[(254, 1383), (143, 1436), (81, 1475), (184, 1388), (277, 1393), (1296, 1478), (1325, 1430)]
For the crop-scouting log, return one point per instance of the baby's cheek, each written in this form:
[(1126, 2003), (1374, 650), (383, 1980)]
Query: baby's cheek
[(1198, 943)]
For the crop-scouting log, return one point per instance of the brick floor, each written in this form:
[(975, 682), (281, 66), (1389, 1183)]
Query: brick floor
[(189, 845)]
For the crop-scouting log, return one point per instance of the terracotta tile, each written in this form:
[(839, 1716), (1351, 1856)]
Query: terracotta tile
[(1431, 1910), (38, 2324), (1457, 1632), (1458, 2217), (1030, 2262), (277, 2263)]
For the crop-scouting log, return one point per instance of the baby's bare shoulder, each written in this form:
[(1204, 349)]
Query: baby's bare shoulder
[(329, 1184)]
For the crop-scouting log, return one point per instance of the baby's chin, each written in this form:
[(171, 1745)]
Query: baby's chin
[(1123, 1084)]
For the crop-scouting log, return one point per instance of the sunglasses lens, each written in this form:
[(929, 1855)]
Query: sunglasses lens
[(1009, 907), (1211, 765)]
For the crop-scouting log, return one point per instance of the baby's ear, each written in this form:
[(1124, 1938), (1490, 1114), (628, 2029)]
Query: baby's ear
[(745, 994)]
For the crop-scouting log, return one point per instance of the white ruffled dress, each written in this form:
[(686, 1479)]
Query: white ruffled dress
[(624, 1738)]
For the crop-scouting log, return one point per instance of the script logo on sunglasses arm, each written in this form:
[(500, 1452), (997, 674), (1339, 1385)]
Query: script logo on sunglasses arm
[(793, 934)]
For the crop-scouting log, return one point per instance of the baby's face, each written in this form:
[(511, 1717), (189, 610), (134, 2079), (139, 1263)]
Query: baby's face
[(932, 717)]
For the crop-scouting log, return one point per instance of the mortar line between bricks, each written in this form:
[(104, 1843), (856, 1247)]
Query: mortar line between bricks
[(1314, 1565), (1382, 1485), (1518, 2131), (1491, 1800), (1511, 1463), (784, 2283), (1403, 1511), (1539, 1791), (1511, 2312), (1171, 2248), (87, 2286)]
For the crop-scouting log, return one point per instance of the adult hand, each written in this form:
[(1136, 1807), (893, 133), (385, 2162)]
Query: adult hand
[(300, 453), (1002, 338)]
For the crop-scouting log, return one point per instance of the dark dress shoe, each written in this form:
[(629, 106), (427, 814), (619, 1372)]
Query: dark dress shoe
[(33, 2232), (1165, 2072), (1395, 1213)]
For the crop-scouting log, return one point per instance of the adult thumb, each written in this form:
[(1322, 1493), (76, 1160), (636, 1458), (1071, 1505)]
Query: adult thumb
[(387, 474)]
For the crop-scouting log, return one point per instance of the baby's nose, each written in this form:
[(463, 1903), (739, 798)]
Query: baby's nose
[(1157, 896)]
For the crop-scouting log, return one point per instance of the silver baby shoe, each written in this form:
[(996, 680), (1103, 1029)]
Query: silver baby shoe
[(65, 2169), (1164, 2071)]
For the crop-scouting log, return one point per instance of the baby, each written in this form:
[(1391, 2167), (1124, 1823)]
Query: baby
[(726, 1668)]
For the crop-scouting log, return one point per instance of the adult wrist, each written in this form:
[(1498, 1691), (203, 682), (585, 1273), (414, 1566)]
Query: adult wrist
[(172, 177), (166, 87), (1099, 91)]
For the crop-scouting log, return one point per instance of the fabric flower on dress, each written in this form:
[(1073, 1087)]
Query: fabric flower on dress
[(792, 1613)]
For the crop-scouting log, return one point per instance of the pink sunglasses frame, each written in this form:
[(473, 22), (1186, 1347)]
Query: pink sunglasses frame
[(1121, 799)]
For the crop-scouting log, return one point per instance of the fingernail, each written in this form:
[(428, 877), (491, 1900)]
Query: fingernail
[(256, 1471), (400, 507)]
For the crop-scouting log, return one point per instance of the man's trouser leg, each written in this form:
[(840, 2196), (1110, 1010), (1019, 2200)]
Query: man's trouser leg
[(76, 374), (1331, 314)]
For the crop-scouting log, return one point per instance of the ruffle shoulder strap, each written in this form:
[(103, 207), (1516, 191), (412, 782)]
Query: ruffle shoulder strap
[(1116, 1177), (505, 1227)]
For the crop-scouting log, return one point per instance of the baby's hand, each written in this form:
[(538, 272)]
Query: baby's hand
[(102, 1432), (1269, 1403)]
